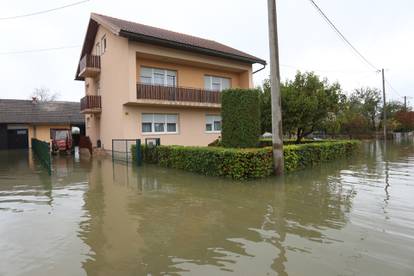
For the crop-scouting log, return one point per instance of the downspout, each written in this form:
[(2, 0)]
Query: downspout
[(258, 70)]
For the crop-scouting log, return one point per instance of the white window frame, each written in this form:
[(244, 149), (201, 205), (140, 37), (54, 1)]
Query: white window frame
[(153, 132), (210, 82), (212, 125), (98, 48), (165, 72), (103, 45)]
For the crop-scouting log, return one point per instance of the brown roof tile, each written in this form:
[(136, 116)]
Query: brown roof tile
[(147, 33)]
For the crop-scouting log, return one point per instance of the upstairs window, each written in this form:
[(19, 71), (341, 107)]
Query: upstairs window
[(98, 49), (103, 45), (213, 123), (157, 76), (159, 123), (216, 83)]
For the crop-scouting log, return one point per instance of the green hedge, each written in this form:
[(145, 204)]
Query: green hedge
[(245, 163), (240, 114)]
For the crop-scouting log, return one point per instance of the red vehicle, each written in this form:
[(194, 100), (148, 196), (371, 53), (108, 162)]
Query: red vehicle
[(62, 141)]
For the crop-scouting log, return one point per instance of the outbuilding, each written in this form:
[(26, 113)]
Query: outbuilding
[(21, 120)]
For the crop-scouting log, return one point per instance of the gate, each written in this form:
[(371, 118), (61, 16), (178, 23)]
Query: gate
[(124, 149), (42, 152)]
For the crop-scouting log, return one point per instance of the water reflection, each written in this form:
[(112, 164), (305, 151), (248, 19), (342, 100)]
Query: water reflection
[(351, 217)]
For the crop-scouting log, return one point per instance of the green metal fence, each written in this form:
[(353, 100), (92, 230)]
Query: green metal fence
[(42, 152)]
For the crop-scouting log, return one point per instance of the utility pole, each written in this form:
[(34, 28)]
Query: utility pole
[(405, 103), (384, 106), (277, 131)]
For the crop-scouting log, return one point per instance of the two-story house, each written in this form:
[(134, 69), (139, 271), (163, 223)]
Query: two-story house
[(145, 82)]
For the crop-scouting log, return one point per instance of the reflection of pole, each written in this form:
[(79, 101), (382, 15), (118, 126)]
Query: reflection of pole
[(277, 135), (385, 105)]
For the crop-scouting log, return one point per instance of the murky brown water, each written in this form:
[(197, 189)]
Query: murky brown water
[(100, 218)]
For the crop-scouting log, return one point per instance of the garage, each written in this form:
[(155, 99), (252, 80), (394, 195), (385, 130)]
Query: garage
[(17, 137), (22, 120)]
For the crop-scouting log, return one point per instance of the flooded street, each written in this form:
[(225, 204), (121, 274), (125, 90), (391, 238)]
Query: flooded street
[(350, 217)]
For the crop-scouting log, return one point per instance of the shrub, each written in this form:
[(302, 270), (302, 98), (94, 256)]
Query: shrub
[(305, 155), (245, 163), (241, 118)]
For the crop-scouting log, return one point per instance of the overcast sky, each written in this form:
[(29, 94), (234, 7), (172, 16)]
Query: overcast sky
[(382, 30)]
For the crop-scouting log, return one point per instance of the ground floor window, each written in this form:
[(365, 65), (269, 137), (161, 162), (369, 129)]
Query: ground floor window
[(213, 123), (159, 123)]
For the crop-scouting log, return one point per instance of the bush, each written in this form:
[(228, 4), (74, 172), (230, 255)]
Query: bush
[(245, 163), (241, 118), (305, 155)]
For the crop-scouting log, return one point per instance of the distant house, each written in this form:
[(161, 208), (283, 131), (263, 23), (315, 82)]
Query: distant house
[(147, 82), (21, 120)]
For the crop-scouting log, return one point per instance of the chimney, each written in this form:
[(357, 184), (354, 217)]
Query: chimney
[(34, 100)]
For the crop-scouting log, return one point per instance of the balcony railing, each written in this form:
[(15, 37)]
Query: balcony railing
[(177, 94), (91, 104), (89, 65)]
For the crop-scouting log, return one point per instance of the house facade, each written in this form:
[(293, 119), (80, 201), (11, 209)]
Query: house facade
[(145, 82), (22, 120)]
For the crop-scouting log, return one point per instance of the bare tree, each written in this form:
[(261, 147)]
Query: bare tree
[(43, 94)]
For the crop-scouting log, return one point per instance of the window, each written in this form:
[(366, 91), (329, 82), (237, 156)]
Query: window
[(216, 83), (98, 49), (158, 76), (213, 123), (159, 123), (103, 45)]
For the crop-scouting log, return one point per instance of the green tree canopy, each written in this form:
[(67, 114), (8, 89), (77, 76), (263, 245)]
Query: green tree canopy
[(307, 103)]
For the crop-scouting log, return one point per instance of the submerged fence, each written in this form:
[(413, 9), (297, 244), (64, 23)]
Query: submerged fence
[(122, 150), (42, 152)]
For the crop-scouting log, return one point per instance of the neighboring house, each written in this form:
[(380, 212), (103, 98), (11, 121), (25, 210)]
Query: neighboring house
[(21, 120), (145, 82)]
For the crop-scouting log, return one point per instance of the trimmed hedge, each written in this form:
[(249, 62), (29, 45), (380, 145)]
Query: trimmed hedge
[(240, 114), (245, 163)]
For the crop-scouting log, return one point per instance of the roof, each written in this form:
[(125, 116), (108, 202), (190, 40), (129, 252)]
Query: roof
[(27, 112), (144, 33)]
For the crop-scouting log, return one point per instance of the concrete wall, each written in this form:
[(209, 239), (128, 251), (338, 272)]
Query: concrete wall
[(42, 132), (191, 125)]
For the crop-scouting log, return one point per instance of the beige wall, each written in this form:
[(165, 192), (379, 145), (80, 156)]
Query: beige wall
[(191, 125), (42, 132), (187, 75), (118, 77)]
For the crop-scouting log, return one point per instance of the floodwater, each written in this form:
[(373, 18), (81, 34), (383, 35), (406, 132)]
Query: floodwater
[(350, 217)]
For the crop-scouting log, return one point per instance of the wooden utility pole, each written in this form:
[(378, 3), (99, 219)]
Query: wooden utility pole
[(277, 131), (384, 105)]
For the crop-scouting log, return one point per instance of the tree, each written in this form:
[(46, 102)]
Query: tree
[(307, 102), (240, 114), (405, 121), (43, 94), (265, 98), (366, 101)]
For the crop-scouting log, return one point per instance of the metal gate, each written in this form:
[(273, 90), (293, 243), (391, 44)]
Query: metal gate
[(124, 150)]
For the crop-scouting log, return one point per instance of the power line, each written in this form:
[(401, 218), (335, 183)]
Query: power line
[(43, 11), (392, 88), (332, 25), (38, 50)]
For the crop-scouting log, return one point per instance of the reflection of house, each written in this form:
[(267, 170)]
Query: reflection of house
[(142, 81), (21, 120)]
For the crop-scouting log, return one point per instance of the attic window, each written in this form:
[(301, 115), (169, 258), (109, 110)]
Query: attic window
[(103, 45)]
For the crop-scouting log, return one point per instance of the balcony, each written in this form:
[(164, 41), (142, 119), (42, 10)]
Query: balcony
[(91, 104), (178, 96), (89, 66)]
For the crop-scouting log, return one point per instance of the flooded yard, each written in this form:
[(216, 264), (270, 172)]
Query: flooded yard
[(350, 217)]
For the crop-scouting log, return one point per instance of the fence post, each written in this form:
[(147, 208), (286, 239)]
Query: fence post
[(138, 152)]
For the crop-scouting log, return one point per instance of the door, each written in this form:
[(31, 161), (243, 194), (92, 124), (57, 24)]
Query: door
[(17, 138)]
